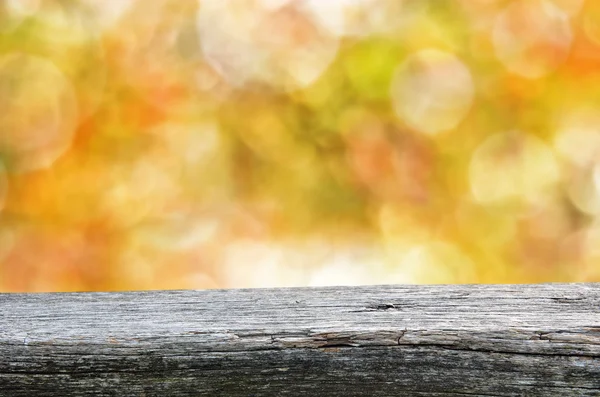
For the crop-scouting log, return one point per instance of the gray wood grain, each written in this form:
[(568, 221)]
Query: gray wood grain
[(460, 340)]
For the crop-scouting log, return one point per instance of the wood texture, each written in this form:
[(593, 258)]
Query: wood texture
[(462, 340)]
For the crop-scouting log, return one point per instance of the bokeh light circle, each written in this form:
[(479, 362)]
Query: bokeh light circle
[(248, 143), (144, 188), (582, 190), (432, 91), (362, 18), (68, 36), (39, 111), (512, 167), (532, 38), (280, 46), (263, 263), (577, 138)]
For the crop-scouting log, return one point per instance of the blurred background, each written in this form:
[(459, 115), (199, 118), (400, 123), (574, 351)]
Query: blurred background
[(172, 144)]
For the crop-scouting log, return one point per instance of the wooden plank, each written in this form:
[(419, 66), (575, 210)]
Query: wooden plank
[(453, 340)]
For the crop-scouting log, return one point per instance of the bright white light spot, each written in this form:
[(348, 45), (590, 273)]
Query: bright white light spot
[(340, 273), (332, 13), (432, 91), (532, 38), (347, 266), (226, 40), (249, 263)]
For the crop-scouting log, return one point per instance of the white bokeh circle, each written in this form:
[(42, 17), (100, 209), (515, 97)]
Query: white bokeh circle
[(532, 38), (432, 91)]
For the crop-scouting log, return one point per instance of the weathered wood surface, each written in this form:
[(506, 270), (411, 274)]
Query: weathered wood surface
[(469, 340)]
